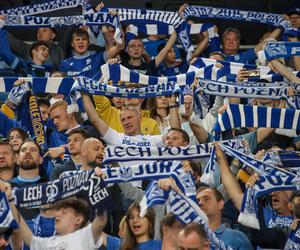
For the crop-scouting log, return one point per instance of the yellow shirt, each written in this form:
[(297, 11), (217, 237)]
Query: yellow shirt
[(111, 115)]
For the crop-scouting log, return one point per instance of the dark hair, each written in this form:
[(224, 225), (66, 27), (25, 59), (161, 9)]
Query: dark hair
[(80, 131), (5, 143), (36, 44), (197, 228), (129, 242), (167, 221), (160, 47), (185, 135), (218, 195), (80, 207), (295, 193), (34, 142), (152, 106), (22, 133), (43, 101), (81, 33)]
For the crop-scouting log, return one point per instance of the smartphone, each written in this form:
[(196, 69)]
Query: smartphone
[(253, 72)]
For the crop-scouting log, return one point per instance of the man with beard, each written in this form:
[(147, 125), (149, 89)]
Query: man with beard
[(92, 153), (29, 161), (6, 161)]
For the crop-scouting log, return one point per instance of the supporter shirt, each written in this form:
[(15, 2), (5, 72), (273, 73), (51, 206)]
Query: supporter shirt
[(80, 240), (247, 57), (85, 65), (114, 138), (113, 243), (144, 68), (152, 45), (164, 70)]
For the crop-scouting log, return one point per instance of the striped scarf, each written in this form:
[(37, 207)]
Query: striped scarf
[(271, 179), (237, 116), (185, 209), (275, 50), (162, 18)]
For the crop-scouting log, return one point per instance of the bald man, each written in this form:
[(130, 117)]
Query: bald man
[(92, 153)]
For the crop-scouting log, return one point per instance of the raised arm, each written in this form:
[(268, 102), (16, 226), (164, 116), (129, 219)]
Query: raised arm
[(162, 54), (230, 184), (283, 70), (97, 122), (24, 230), (98, 225), (174, 115)]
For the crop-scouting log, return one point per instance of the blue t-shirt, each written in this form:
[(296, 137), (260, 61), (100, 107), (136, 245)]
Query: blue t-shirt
[(113, 243), (233, 238), (164, 70), (152, 45), (247, 57), (86, 65)]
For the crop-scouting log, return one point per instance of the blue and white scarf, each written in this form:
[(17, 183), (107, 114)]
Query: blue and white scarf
[(78, 181), (239, 116), (117, 73), (162, 18), (132, 153), (293, 242), (185, 209), (271, 179), (40, 85), (227, 67), (45, 7), (262, 91), (275, 50), (6, 218), (289, 159), (93, 87), (234, 14), (40, 21)]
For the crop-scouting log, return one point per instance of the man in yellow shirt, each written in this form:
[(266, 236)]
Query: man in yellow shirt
[(111, 115)]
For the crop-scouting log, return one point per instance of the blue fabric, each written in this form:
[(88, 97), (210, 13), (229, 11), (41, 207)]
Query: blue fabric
[(273, 220), (251, 139), (164, 70), (87, 65), (152, 45), (233, 238), (113, 243), (247, 57), (20, 66)]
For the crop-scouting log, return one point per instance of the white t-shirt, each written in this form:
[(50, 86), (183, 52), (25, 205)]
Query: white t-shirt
[(113, 137), (81, 239)]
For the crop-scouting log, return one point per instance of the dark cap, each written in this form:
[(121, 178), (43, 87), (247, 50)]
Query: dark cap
[(295, 10), (295, 193)]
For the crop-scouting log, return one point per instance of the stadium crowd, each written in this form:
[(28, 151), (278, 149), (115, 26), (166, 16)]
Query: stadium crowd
[(44, 140)]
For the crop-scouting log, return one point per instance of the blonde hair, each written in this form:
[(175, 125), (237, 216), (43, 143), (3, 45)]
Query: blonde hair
[(57, 104)]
